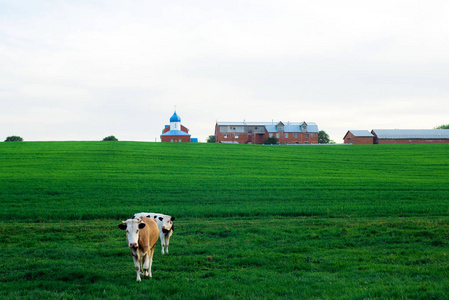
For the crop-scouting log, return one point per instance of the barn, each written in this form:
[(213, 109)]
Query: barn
[(175, 132), (258, 132), (359, 137), (410, 136)]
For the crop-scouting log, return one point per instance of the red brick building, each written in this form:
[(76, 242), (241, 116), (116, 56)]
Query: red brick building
[(175, 132), (359, 137), (410, 136), (258, 132)]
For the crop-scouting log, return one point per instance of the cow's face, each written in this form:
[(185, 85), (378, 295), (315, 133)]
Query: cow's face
[(132, 227), (168, 225)]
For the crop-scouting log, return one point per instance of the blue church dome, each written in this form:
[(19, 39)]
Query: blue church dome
[(175, 118)]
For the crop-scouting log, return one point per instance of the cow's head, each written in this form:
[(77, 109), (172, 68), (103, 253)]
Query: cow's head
[(132, 227), (168, 225)]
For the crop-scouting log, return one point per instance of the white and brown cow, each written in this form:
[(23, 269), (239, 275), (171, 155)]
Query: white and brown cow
[(141, 235), (165, 224)]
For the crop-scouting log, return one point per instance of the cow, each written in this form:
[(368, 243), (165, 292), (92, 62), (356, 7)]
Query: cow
[(165, 224), (141, 235)]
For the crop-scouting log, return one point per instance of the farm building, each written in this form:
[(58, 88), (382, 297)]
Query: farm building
[(258, 132), (175, 132), (359, 137), (410, 136)]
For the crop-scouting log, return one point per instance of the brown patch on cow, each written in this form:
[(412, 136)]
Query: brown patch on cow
[(148, 235)]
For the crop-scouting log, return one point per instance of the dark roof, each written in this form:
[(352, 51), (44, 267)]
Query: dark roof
[(411, 133), (175, 132), (360, 133)]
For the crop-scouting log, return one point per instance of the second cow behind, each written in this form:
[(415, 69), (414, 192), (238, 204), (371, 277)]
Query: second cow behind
[(165, 225)]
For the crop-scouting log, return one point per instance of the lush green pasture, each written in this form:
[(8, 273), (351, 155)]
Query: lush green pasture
[(338, 222)]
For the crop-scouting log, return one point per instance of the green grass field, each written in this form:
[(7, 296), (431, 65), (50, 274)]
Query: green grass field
[(252, 221)]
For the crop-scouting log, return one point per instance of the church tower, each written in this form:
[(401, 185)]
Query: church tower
[(175, 132), (175, 122)]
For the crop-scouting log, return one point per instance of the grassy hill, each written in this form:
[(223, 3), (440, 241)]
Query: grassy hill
[(342, 222)]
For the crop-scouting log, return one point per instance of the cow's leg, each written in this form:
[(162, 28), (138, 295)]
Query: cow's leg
[(146, 264), (137, 266), (150, 259), (162, 237), (167, 241)]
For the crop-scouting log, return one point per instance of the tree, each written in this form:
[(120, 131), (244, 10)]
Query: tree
[(110, 138), (211, 139), (271, 141), (14, 138), (446, 126), (323, 137)]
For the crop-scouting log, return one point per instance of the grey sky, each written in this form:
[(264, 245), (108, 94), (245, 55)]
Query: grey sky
[(83, 70)]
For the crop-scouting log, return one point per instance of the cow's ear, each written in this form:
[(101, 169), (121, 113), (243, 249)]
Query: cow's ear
[(142, 225), (172, 218), (122, 226)]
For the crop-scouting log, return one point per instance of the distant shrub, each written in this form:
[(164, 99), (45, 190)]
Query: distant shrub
[(110, 138), (211, 139), (271, 141), (323, 137), (14, 138), (446, 126)]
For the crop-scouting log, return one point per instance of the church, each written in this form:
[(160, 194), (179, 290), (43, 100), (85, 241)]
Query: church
[(175, 132)]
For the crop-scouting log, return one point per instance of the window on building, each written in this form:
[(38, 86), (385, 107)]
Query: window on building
[(277, 135), (225, 136), (236, 136), (286, 135), (270, 135), (171, 140), (307, 135), (296, 135)]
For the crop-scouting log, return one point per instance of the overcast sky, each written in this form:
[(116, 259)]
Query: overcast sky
[(84, 70)]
